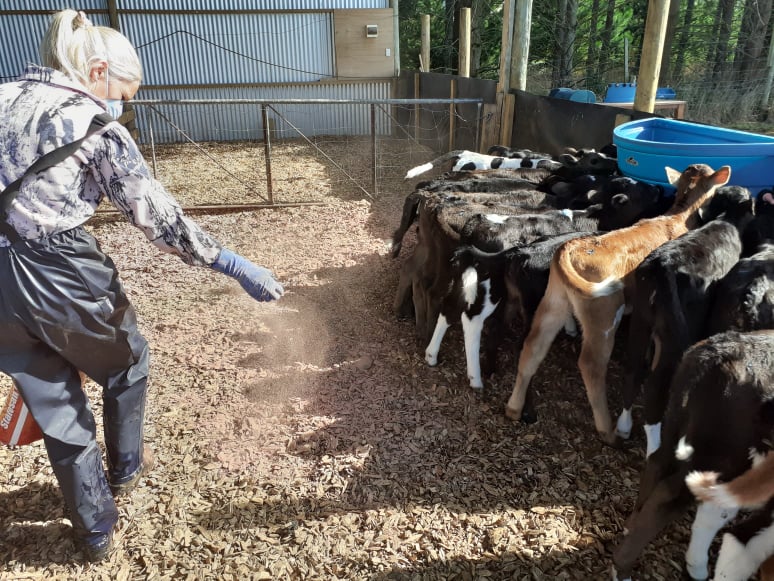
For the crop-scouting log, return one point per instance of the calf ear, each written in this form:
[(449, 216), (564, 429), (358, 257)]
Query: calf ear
[(672, 175), (722, 176)]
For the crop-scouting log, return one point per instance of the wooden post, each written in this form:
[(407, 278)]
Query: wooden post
[(520, 44), (373, 149), (424, 55), (652, 48), (417, 108), (504, 82), (267, 151), (463, 66), (113, 15), (452, 114)]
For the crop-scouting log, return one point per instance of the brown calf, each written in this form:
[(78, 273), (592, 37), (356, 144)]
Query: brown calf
[(589, 278)]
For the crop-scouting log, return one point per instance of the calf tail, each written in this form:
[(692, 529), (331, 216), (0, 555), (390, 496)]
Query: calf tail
[(420, 169), (409, 216), (562, 262), (676, 323)]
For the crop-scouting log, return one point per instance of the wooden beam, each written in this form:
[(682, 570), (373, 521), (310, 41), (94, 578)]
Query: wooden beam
[(520, 44), (424, 55), (113, 15), (652, 48), (463, 66), (506, 55)]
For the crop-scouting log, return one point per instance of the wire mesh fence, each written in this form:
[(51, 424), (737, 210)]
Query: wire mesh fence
[(254, 152)]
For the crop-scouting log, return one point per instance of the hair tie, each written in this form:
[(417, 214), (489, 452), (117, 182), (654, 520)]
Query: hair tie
[(83, 20)]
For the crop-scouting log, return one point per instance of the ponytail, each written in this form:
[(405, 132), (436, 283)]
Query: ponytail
[(72, 44)]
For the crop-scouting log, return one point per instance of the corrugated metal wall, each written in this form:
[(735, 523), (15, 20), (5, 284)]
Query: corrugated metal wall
[(232, 43)]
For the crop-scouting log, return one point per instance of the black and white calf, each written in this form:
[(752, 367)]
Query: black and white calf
[(464, 160), (672, 294), (720, 417)]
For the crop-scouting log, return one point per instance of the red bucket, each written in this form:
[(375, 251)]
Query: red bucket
[(17, 426)]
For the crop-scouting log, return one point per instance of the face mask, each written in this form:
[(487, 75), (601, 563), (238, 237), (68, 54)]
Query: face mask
[(114, 106)]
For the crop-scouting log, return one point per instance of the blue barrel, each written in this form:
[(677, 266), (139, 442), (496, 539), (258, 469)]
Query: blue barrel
[(624, 93), (577, 95)]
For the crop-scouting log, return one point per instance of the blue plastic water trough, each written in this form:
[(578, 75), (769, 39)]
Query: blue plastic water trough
[(647, 146)]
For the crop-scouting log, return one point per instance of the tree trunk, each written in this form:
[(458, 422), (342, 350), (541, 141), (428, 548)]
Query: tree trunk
[(452, 36), (665, 77), (682, 43), (748, 64), (723, 22), (606, 38), (592, 57), (567, 22)]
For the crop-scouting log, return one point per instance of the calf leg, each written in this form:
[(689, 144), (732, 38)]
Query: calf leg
[(431, 352), (667, 501), (738, 560), (473, 328), (657, 392), (549, 319), (637, 346), (708, 521), (599, 327)]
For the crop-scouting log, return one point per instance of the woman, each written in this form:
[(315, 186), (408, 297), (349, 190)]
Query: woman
[(62, 306)]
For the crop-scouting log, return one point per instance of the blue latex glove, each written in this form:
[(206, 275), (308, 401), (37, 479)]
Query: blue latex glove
[(257, 281)]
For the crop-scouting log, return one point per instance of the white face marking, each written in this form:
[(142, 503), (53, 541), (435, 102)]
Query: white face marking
[(684, 450), (496, 218)]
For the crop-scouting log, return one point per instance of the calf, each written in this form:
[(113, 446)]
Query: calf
[(518, 201), (484, 181), (720, 415), (588, 278), (745, 545), (463, 160), (744, 300), (424, 278), (476, 275), (761, 229), (671, 294)]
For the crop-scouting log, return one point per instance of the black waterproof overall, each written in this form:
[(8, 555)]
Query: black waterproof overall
[(63, 309)]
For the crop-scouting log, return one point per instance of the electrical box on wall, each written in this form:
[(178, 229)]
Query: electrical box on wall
[(365, 43)]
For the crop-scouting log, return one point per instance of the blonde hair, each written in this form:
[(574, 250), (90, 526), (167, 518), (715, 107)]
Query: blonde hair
[(72, 44)]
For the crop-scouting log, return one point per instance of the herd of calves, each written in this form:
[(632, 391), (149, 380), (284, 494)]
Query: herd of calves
[(519, 236)]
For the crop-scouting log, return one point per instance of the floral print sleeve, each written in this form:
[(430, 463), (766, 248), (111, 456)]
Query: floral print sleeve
[(119, 170), (45, 110)]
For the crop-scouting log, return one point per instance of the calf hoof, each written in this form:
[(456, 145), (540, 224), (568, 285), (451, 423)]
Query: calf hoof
[(616, 577), (612, 439), (513, 414), (431, 360), (529, 416)]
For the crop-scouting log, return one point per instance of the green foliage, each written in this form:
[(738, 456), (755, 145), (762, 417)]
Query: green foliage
[(716, 93)]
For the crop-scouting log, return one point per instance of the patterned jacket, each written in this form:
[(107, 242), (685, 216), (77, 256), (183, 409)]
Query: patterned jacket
[(43, 110)]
